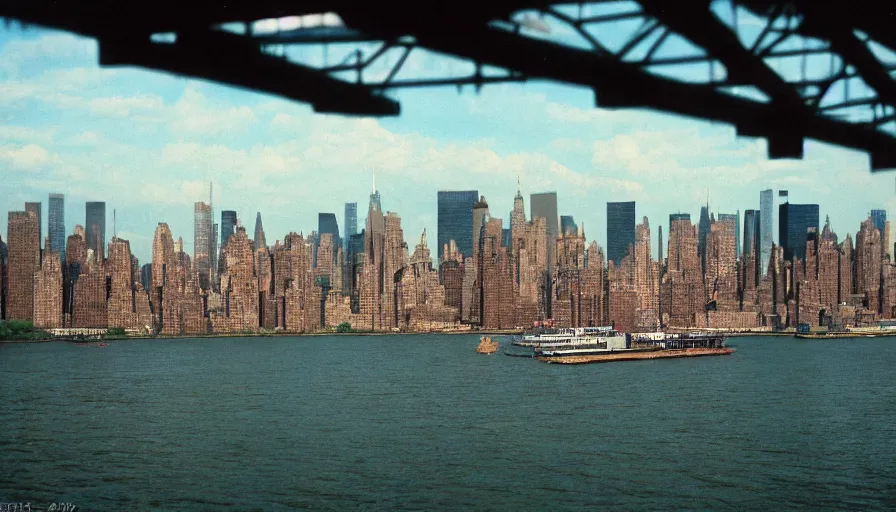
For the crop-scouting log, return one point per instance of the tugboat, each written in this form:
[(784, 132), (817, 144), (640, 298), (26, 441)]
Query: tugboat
[(487, 346)]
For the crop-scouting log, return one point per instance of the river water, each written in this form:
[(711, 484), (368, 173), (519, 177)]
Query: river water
[(425, 423)]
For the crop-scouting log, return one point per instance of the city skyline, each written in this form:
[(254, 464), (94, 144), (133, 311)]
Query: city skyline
[(150, 154)]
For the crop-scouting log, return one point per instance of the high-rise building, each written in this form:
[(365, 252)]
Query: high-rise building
[(202, 242), (751, 230), (96, 228), (568, 225), (732, 220), (351, 224), (480, 217), (260, 242), (545, 205), (455, 219), (228, 221), (766, 228), (620, 230), (35, 207), (327, 224), (794, 221), (56, 224), (146, 276), (737, 230), (879, 220), (23, 263), (703, 230)]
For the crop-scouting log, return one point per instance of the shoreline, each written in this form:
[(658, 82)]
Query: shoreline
[(262, 335), (787, 334)]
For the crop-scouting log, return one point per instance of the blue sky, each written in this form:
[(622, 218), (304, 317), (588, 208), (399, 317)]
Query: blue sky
[(148, 144)]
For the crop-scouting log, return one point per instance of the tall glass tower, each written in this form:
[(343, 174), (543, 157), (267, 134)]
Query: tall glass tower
[(620, 230), (351, 224), (228, 222), (455, 220), (95, 226), (794, 221), (56, 224), (766, 227)]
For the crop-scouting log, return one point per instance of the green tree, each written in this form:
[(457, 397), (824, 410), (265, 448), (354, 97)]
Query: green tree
[(344, 327), (115, 331)]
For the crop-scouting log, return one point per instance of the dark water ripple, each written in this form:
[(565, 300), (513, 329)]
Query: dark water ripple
[(424, 423)]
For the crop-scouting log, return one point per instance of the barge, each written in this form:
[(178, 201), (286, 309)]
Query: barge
[(604, 344)]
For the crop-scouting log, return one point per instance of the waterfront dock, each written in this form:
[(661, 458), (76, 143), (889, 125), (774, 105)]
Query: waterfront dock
[(639, 355)]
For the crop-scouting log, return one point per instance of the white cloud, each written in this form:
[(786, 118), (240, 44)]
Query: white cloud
[(119, 106), (193, 114), (25, 134), (27, 158)]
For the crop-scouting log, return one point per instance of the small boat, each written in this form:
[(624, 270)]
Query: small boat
[(487, 346)]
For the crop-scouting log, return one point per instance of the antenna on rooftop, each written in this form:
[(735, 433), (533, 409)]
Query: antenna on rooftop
[(114, 230)]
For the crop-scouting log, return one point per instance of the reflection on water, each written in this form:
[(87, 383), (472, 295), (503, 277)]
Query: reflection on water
[(423, 422)]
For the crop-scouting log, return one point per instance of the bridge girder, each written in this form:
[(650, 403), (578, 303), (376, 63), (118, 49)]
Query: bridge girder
[(795, 110)]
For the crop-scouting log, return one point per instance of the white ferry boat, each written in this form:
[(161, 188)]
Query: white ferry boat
[(572, 341)]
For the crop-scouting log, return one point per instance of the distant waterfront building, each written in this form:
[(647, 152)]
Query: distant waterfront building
[(351, 224), (146, 276), (568, 225), (260, 242), (794, 221), (879, 220), (455, 219), (703, 230), (751, 229), (327, 224), (228, 221), (545, 205), (22, 264), (620, 230), (56, 224), (766, 227), (96, 228), (202, 242), (480, 217), (732, 220), (36, 207)]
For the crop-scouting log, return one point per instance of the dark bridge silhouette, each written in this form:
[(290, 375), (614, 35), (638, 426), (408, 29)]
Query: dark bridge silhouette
[(501, 39)]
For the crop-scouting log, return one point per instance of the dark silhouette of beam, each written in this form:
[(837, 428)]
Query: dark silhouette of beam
[(235, 60), (618, 84)]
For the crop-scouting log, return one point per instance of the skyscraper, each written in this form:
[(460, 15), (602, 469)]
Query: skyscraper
[(545, 205), (732, 219), (36, 207), (751, 229), (455, 219), (96, 227), (480, 217), (260, 242), (879, 220), (56, 224), (202, 242), (228, 221), (620, 230), (703, 230), (766, 236), (351, 224), (23, 263), (375, 203), (794, 221), (737, 231), (568, 225), (326, 223)]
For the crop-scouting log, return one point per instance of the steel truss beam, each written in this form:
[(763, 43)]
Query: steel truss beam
[(462, 29)]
